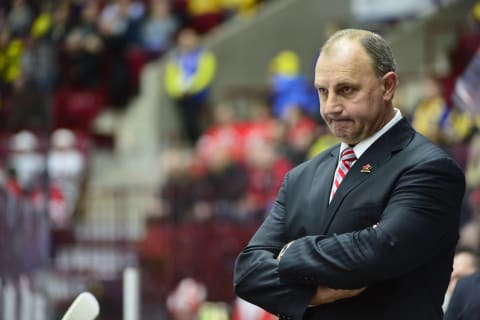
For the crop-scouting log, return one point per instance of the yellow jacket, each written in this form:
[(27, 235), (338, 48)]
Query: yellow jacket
[(11, 61), (178, 83)]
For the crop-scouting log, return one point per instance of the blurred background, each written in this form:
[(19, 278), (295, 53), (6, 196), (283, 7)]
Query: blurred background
[(142, 142)]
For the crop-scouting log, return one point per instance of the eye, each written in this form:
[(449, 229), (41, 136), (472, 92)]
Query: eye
[(346, 90), (322, 91)]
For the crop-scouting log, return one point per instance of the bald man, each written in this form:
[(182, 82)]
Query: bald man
[(368, 228), (465, 263)]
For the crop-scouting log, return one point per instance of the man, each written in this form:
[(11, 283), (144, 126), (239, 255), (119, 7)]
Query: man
[(465, 263), (376, 242), (465, 301), (189, 73)]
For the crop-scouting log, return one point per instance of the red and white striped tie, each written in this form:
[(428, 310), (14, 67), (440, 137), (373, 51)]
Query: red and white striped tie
[(347, 158)]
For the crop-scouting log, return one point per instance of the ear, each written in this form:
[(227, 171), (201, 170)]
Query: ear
[(389, 83)]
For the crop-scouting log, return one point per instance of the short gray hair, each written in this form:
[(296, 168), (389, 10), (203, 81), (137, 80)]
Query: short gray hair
[(376, 47)]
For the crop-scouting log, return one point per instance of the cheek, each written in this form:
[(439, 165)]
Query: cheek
[(363, 107), (322, 110)]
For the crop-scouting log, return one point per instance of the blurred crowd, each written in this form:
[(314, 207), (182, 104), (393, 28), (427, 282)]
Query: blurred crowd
[(61, 62), (233, 169), (97, 47), (230, 160), (47, 174)]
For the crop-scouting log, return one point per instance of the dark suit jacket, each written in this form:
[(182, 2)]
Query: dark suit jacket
[(465, 301), (413, 193)]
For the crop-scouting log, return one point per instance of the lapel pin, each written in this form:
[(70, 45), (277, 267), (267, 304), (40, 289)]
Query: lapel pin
[(367, 168)]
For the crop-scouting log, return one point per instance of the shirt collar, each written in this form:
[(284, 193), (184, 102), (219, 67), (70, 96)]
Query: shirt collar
[(362, 146)]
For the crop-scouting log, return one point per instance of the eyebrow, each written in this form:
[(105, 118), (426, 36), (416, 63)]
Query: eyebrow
[(340, 84), (347, 84)]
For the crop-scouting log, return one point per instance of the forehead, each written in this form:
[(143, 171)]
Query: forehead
[(344, 60)]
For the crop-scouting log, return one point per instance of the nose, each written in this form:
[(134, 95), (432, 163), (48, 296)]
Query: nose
[(331, 104)]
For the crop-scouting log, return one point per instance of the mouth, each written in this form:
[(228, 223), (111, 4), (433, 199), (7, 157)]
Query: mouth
[(341, 126), (340, 121)]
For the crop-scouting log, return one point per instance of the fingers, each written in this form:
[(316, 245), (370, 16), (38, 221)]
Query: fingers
[(328, 295)]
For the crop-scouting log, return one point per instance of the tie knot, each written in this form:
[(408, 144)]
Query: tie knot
[(348, 155)]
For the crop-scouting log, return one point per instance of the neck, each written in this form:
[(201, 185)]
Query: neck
[(388, 116)]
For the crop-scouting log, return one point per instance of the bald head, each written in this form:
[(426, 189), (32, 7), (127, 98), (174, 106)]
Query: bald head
[(375, 46)]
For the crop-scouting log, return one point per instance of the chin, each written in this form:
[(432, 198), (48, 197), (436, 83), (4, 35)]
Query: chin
[(342, 136), (347, 140)]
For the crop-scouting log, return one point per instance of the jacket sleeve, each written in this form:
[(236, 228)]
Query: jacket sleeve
[(205, 72), (256, 276), (172, 79), (419, 221)]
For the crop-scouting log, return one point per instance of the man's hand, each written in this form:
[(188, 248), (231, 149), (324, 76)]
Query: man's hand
[(328, 295)]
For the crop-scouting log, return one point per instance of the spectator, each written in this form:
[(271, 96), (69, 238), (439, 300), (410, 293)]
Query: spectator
[(121, 19), (188, 77), (25, 159), (175, 197), (299, 133), (266, 172), (225, 131), (157, 31), (11, 53), (261, 125), (49, 30), (62, 22), (223, 187), (430, 114), (20, 18), (26, 172), (66, 166), (83, 51), (290, 89), (465, 262), (119, 24), (42, 23), (229, 131), (188, 302), (65, 159), (465, 301), (41, 53)]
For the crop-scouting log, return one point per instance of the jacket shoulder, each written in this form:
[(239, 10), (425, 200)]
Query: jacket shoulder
[(426, 149), (311, 164)]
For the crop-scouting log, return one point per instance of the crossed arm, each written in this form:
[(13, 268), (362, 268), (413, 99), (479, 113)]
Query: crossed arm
[(315, 270), (324, 294)]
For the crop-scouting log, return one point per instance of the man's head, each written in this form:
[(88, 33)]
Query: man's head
[(356, 81), (187, 40), (465, 262)]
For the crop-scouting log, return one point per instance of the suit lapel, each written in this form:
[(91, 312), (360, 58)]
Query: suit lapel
[(373, 158), (319, 193)]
